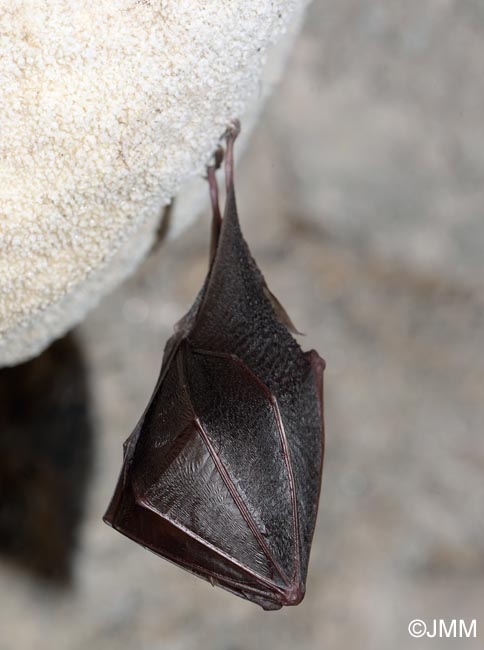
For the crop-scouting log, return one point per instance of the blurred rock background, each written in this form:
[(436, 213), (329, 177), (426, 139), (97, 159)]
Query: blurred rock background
[(362, 198)]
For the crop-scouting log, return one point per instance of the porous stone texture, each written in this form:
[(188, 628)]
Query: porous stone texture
[(360, 197), (108, 109)]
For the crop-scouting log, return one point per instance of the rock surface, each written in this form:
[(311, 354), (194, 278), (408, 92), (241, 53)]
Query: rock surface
[(109, 109), (361, 197)]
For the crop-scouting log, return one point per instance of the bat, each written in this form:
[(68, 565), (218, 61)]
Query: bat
[(222, 473)]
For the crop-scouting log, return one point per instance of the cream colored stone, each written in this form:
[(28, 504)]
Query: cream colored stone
[(108, 109)]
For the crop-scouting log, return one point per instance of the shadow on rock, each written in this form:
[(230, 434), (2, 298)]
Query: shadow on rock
[(46, 449)]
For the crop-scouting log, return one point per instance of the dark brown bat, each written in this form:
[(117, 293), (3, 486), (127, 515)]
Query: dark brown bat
[(222, 474)]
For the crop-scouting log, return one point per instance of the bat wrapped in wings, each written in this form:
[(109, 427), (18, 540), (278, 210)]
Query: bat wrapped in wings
[(222, 474)]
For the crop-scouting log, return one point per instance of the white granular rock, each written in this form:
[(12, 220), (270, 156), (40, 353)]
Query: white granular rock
[(107, 109)]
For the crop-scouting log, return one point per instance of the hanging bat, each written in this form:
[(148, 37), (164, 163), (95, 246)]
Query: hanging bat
[(222, 473)]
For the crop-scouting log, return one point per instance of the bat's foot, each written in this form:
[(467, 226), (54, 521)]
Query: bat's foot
[(216, 214), (233, 129), (218, 157), (230, 135)]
